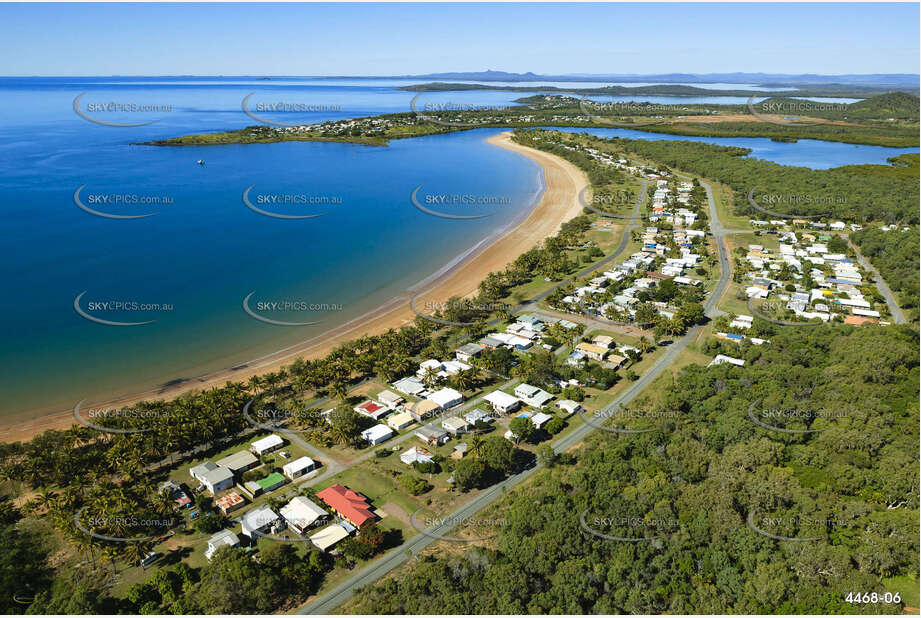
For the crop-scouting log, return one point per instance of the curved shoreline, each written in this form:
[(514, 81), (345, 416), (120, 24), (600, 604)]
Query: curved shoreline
[(558, 202)]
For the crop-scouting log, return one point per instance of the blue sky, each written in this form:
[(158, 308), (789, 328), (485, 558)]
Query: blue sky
[(390, 39)]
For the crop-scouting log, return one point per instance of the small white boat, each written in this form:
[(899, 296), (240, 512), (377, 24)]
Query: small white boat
[(201, 161)]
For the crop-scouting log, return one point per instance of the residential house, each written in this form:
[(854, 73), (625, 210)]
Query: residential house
[(401, 420), (477, 415), (260, 520), (224, 538), (377, 434), (390, 399), (410, 386), (595, 352), (432, 435), (569, 406), (532, 395), (229, 502), (722, 358), (301, 513), (421, 410), (467, 352), (266, 445), (372, 409), (540, 419), (416, 454), (329, 536), (215, 478), (348, 504), (454, 425), (446, 398), (239, 462), (502, 402), (299, 467)]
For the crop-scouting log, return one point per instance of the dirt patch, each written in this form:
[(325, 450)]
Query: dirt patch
[(395, 510)]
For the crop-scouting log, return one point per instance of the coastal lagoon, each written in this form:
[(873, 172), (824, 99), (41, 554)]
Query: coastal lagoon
[(204, 250)]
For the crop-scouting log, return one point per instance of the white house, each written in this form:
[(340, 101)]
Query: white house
[(540, 419), (502, 402), (267, 444), (214, 478), (260, 520), (299, 467), (377, 434), (446, 398), (224, 538), (722, 358), (401, 420), (416, 454), (302, 513), (454, 425), (532, 395), (569, 406), (410, 386)]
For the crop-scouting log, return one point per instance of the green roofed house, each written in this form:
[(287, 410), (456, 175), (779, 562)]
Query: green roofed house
[(272, 481)]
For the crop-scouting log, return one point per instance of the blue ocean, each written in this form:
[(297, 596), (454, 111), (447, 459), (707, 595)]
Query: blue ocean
[(173, 245)]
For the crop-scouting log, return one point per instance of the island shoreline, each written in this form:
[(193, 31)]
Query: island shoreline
[(558, 202)]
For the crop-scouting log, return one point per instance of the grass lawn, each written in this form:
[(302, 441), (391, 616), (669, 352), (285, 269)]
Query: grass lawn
[(907, 587)]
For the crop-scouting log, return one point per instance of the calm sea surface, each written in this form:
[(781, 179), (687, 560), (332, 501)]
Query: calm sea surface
[(188, 268)]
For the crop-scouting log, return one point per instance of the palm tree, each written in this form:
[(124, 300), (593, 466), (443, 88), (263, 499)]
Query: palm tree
[(338, 390), (476, 445), (645, 345), (430, 379)]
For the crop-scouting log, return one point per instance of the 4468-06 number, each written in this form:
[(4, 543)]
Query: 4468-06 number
[(873, 597)]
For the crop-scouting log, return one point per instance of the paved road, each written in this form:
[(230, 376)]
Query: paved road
[(897, 316), (335, 597)]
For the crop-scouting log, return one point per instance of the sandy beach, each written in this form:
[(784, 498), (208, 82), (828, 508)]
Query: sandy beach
[(558, 203)]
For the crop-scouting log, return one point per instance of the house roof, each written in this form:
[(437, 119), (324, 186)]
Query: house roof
[(424, 407), (238, 460), (377, 432), (224, 537), (302, 512), (272, 480), (501, 399), (301, 463), (445, 396), (350, 504), (401, 419), (267, 442), (370, 407), (329, 536), (454, 423), (229, 500), (259, 517), (216, 475), (470, 349)]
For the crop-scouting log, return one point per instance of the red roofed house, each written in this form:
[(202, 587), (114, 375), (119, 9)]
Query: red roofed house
[(372, 409), (348, 504)]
